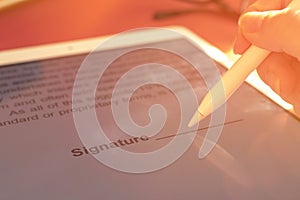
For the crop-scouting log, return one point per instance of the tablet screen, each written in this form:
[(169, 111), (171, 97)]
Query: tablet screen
[(43, 155)]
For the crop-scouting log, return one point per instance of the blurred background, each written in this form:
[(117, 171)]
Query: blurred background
[(34, 22)]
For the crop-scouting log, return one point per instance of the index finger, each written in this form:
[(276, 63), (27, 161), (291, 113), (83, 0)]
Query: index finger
[(241, 43)]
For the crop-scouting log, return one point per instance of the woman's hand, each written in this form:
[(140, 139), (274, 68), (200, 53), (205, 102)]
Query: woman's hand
[(271, 25)]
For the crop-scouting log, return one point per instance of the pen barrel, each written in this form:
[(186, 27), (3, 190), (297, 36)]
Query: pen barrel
[(232, 79)]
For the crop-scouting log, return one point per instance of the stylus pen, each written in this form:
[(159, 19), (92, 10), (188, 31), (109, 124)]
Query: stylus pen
[(229, 83)]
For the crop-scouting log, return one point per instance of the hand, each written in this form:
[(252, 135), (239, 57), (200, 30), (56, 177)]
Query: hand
[(269, 24)]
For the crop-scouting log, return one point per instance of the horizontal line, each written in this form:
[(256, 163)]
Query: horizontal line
[(200, 129)]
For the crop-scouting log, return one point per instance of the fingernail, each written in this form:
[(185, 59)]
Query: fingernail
[(269, 79), (274, 82), (251, 22), (277, 85)]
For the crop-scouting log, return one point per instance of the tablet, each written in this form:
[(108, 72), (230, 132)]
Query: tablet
[(106, 118)]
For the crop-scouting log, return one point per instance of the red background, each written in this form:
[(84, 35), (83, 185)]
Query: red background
[(46, 21)]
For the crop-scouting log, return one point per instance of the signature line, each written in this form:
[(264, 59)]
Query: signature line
[(199, 129)]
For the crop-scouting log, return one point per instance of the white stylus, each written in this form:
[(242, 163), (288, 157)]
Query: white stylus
[(230, 82)]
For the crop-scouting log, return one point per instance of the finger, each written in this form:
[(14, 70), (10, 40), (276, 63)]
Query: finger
[(265, 5), (281, 72), (241, 44), (273, 30), (297, 109)]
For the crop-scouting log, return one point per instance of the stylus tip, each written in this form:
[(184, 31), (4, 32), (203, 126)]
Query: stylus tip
[(195, 119)]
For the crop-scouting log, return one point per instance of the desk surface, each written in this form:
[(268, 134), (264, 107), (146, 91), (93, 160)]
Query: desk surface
[(40, 22)]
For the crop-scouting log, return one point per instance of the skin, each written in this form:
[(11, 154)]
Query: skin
[(271, 25)]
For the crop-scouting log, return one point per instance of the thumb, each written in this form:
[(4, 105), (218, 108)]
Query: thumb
[(276, 31)]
